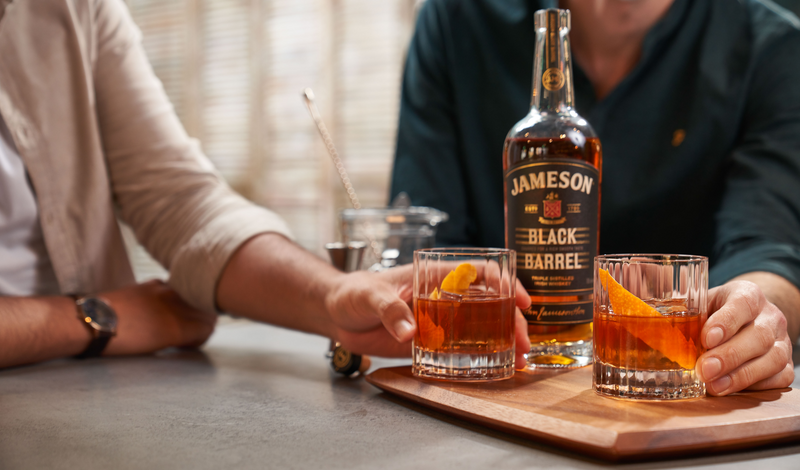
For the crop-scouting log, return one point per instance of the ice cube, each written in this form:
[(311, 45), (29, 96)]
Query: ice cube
[(451, 296), (670, 308)]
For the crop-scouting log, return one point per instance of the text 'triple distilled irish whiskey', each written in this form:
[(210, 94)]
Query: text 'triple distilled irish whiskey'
[(552, 164)]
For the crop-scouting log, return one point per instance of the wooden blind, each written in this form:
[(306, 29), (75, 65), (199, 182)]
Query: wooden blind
[(292, 170), (371, 41), (234, 69), (225, 86), (166, 38)]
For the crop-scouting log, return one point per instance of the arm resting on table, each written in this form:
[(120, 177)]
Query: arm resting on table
[(273, 280), (150, 317), (39, 328)]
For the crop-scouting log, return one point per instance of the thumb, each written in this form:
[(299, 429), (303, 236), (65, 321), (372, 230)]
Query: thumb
[(394, 313)]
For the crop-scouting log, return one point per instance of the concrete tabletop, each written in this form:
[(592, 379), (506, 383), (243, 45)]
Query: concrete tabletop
[(259, 397)]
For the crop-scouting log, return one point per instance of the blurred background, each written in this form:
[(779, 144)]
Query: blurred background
[(235, 69)]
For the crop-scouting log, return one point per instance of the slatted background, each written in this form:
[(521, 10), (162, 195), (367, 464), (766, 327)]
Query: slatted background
[(234, 70)]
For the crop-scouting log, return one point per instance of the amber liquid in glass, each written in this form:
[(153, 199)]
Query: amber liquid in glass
[(670, 342), (474, 325), (540, 149)]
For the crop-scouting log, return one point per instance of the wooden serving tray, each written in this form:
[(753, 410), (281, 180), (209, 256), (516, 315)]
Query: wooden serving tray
[(560, 408)]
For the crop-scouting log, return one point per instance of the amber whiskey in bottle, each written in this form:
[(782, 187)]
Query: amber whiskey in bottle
[(552, 163)]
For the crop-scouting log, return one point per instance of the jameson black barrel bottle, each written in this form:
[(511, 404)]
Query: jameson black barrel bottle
[(552, 165)]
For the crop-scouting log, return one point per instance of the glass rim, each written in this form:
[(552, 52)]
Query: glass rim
[(652, 258), (464, 251)]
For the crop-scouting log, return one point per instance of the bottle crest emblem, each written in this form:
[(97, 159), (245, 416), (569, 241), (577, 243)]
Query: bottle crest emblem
[(553, 79), (552, 206)]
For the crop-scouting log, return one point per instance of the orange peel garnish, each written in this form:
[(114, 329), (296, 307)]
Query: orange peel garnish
[(670, 341), (430, 333), (665, 338), (622, 301), (434, 295), (458, 280)]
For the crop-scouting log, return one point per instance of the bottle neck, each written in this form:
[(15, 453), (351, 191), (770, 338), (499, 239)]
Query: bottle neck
[(552, 69)]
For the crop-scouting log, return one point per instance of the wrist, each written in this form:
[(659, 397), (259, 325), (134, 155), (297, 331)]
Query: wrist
[(40, 328), (100, 320), (329, 288), (62, 311), (780, 292)]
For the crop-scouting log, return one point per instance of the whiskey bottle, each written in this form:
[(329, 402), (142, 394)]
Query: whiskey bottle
[(552, 165)]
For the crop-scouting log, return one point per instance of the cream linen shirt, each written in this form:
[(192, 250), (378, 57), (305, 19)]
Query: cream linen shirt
[(100, 139)]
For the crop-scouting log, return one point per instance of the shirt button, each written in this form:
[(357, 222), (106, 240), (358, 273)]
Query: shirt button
[(677, 137)]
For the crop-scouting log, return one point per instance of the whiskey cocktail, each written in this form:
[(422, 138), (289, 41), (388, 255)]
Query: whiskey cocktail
[(648, 313), (464, 308)]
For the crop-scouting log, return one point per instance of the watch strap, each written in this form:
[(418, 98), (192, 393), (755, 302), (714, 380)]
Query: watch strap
[(96, 347)]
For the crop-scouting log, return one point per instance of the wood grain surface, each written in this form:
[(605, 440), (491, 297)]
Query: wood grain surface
[(561, 409)]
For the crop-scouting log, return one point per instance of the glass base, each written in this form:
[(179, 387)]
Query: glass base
[(463, 367), (567, 355), (675, 384)]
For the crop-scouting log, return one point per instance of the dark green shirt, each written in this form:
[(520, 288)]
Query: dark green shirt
[(726, 73)]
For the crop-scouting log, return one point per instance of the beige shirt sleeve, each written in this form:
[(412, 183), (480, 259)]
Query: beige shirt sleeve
[(180, 208)]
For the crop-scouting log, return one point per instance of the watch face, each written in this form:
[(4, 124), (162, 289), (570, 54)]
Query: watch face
[(102, 315)]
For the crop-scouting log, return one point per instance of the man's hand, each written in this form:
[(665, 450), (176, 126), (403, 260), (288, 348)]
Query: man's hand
[(151, 316), (523, 340), (371, 313), (748, 345)]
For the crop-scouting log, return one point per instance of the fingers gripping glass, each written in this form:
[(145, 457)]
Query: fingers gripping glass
[(464, 307), (648, 313)]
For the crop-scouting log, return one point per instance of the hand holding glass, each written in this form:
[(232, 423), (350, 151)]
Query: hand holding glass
[(648, 313), (464, 306)]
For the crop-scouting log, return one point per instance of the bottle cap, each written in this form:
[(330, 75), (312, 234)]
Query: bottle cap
[(562, 18)]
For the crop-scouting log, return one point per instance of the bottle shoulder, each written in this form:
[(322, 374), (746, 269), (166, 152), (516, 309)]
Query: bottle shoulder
[(546, 136), (547, 125)]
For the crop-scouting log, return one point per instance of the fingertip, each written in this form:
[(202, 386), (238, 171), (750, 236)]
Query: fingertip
[(709, 368), (403, 330), (523, 299), (523, 341), (714, 337), (720, 386)]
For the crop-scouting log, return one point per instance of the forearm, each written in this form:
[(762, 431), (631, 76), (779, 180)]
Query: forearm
[(273, 280), (783, 294), (36, 329)]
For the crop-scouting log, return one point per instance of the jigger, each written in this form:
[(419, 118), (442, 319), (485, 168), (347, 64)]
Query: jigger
[(346, 257)]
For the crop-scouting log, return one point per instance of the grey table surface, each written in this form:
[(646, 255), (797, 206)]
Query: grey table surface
[(259, 397)]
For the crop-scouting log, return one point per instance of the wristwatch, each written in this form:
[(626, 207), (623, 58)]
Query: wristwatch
[(101, 320)]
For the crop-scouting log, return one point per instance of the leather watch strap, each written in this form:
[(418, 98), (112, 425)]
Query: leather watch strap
[(96, 347)]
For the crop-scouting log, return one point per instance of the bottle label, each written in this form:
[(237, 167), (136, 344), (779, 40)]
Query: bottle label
[(557, 313), (552, 224)]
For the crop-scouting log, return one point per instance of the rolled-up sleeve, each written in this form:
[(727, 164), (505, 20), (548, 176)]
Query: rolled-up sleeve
[(180, 208), (759, 221)]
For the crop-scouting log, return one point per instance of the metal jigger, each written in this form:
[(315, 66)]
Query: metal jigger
[(346, 257)]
